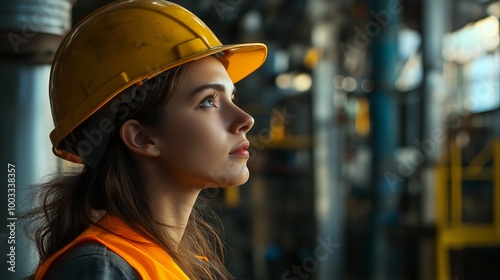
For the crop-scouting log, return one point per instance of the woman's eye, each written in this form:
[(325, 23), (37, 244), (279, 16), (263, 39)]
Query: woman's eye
[(209, 101)]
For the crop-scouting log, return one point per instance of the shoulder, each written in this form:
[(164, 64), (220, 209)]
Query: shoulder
[(91, 260)]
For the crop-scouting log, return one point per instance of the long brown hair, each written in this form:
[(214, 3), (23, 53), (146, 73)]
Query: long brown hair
[(70, 203)]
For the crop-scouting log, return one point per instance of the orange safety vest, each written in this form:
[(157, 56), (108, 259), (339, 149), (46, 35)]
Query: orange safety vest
[(148, 259)]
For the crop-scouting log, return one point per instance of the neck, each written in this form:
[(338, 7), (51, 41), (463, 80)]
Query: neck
[(174, 206), (171, 201)]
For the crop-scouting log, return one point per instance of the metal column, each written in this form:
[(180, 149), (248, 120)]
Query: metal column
[(384, 135), (30, 31), (330, 190)]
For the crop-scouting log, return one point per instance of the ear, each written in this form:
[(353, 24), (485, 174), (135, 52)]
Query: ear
[(137, 139)]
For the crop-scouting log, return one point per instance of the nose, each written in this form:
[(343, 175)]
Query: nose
[(242, 121)]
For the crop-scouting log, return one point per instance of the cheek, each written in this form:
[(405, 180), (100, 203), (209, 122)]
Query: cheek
[(197, 152), (195, 141)]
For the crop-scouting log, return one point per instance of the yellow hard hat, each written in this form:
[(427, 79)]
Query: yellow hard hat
[(122, 44)]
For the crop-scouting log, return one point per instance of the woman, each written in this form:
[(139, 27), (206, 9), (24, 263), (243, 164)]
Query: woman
[(141, 94)]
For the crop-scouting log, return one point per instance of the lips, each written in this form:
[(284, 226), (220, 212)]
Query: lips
[(241, 150)]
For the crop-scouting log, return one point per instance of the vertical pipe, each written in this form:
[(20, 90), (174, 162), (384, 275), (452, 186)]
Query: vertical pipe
[(329, 189), (384, 118), (436, 22), (25, 145), (30, 31), (456, 185)]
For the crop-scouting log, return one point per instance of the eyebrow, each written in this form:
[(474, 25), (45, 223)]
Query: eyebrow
[(217, 87)]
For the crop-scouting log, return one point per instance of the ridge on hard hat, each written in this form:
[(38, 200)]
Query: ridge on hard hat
[(122, 44)]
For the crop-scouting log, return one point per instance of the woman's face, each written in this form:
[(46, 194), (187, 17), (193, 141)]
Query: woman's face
[(203, 133)]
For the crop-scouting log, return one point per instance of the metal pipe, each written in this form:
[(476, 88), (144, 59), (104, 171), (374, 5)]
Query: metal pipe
[(30, 31), (384, 120), (328, 142)]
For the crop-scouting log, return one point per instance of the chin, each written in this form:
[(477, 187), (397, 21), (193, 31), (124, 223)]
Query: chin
[(237, 180), (242, 178), (225, 179), (240, 182)]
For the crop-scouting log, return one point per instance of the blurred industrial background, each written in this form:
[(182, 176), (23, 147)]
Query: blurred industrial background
[(375, 154)]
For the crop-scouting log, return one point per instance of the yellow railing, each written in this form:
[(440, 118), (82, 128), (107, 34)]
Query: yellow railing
[(452, 232)]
